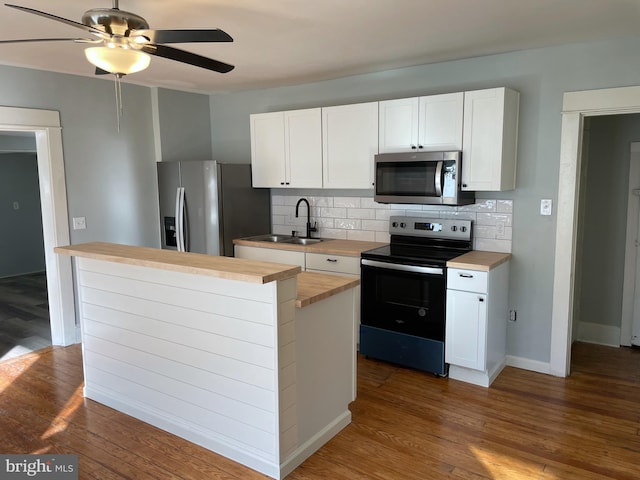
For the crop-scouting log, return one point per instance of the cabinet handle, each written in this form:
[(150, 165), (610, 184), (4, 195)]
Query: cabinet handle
[(332, 260), (420, 146), (281, 183), (465, 275), (480, 299), (286, 183), (413, 147)]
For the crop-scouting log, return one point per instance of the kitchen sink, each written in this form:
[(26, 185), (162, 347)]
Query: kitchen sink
[(272, 238), (303, 241)]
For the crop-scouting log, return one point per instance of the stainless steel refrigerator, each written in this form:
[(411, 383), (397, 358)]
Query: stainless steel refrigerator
[(204, 205)]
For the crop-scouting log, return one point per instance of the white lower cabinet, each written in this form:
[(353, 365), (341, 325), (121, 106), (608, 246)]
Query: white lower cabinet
[(273, 255), (476, 324)]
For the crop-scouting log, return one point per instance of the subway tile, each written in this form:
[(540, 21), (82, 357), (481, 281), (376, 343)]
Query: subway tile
[(278, 219), (507, 235), (492, 245), (481, 205), (361, 213), (317, 201), (277, 200), (375, 225), (347, 202), (332, 212), (504, 206), (385, 214), (348, 224), (494, 218), (368, 202), (404, 206), (281, 210), (281, 229), (361, 235), (333, 233), (383, 237), (435, 208), (484, 231), (459, 215)]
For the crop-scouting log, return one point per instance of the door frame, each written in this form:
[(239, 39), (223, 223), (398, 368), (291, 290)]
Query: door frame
[(576, 106), (45, 124)]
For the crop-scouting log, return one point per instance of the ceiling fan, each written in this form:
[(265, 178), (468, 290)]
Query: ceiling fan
[(121, 42)]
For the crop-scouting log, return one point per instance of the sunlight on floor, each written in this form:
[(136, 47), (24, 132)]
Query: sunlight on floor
[(62, 420), (24, 365), (504, 467)]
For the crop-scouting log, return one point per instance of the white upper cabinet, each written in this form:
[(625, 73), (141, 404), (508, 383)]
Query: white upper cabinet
[(490, 143), (429, 123), (350, 140), (286, 149)]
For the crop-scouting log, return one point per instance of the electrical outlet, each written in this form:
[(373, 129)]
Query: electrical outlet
[(79, 223), (546, 206), (16, 205), (500, 228), (513, 315)]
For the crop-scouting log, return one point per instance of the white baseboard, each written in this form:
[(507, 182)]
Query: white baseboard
[(528, 364), (600, 334)]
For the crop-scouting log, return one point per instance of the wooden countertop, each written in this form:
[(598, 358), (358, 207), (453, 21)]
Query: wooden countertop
[(313, 287), (479, 260), (199, 264), (351, 248)]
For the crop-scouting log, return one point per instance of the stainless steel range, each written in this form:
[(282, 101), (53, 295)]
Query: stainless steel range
[(403, 291)]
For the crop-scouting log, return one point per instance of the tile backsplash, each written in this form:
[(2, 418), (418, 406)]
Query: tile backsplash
[(360, 218)]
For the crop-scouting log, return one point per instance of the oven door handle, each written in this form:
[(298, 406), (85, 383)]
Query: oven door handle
[(403, 268), (439, 179)]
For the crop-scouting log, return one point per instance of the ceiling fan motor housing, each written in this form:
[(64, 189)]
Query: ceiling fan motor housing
[(114, 22)]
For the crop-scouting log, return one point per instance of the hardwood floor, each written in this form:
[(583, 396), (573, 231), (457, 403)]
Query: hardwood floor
[(24, 315), (406, 425)]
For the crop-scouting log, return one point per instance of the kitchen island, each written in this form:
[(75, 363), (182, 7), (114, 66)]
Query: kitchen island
[(250, 359)]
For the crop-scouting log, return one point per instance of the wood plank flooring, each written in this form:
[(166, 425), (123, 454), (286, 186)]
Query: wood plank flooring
[(24, 315), (406, 425)]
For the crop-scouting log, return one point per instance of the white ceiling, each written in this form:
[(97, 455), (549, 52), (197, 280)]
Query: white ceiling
[(285, 42)]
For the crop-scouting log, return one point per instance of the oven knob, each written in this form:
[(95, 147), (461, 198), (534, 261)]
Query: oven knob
[(394, 224), (454, 228), (463, 229), (403, 225)]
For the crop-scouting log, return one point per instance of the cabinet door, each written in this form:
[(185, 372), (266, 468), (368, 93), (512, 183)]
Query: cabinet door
[(267, 150), (466, 329), (350, 140), (440, 122), (490, 139), (303, 141), (398, 125)]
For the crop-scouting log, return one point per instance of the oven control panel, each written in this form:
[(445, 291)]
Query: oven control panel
[(432, 228)]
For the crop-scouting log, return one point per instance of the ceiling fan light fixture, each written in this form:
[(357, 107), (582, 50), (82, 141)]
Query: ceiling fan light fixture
[(118, 60)]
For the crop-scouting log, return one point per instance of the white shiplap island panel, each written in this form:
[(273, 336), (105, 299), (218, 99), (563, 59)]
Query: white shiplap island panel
[(191, 354), (230, 364)]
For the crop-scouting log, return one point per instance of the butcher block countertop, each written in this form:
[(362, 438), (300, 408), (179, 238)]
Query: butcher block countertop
[(313, 287), (479, 260), (351, 248), (199, 264)]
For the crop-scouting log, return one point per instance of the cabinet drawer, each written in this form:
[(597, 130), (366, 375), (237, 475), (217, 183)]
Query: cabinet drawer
[(333, 263), (467, 280)]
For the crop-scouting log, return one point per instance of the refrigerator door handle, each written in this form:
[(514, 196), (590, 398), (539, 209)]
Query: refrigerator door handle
[(179, 220), (185, 223)]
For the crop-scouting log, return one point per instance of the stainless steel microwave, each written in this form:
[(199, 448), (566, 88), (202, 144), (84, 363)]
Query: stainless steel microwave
[(431, 178)]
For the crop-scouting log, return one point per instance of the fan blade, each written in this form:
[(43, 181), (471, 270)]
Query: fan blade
[(26, 40), (187, 57), (183, 36), (87, 28)]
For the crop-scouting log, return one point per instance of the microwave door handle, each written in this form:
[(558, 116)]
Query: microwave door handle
[(439, 179)]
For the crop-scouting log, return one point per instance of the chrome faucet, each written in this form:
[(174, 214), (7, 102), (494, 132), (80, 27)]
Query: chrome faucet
[(309, 227)]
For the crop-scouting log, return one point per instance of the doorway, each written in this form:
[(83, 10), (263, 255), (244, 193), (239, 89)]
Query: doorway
[(45, 124), (576, 107)]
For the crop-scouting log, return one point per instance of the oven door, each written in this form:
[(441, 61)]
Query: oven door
[(403, 298)]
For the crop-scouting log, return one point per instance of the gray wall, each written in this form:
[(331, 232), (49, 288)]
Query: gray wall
[(541, 76), (21, 240), (605, 221), (110, 175), (185, 125)]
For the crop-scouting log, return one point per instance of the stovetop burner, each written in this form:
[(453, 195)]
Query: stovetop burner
[(423, 241)]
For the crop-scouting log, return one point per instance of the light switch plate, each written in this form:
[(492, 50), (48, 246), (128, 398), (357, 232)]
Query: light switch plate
[(546, 206), (79, 223)]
